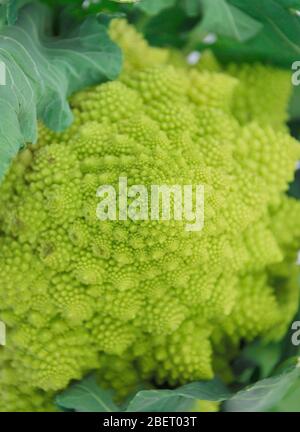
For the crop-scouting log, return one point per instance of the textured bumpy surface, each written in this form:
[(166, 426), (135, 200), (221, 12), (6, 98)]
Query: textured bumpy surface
[(147, 301)]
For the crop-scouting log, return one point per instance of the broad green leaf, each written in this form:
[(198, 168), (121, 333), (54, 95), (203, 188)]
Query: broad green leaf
[(191, 7), (257, 361), (173, 25), (277, 42), (278, 19), (294, 189), (265, 357), (42, 71), (291, 402), (222, 18), (76, 8), (86, 396), (289, 3), (172, 400), (153, 7), (263, 395), (9, 10)]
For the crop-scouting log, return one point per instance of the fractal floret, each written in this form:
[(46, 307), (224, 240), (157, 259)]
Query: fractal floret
[(146, 300)]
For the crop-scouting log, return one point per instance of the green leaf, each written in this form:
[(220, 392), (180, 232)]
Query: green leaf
[(264, 356), (153, 7), (227, 20), (191, 7), (294, 189), (86, 396), (173, 26), (9, 11), (278, 18), (76, 9), (172, 400), (291, 402), (289, 3), (277, 42), (263, 395), (42, 71)]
